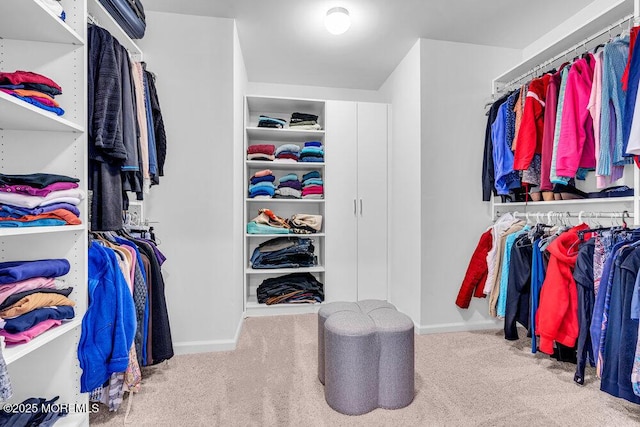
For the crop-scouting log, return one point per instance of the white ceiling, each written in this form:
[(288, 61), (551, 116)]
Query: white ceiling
[(284, 41)]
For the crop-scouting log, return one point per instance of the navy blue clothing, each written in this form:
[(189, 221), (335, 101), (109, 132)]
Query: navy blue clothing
[(36, 180), (622, 331), (583, 275), (488, 177), (15, 271), (518, 287), (32, 318), (266, 178), (312, 174)]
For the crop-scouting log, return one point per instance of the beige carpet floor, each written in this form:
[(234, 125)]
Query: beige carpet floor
[(462, 379)]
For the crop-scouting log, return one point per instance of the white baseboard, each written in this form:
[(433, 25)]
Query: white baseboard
[(190, 347), (459, 327)]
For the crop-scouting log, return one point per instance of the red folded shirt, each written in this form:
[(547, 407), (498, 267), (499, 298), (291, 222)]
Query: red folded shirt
[(20, 77), (268, 149), (287, 156), (313, 189)]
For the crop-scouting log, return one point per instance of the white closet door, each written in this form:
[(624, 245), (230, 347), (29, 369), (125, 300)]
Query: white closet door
[(341, 201), (372, 201)]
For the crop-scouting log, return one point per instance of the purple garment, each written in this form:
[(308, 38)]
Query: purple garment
[(41, 192), (159, 255), (40, 210), (291, 184), (15, 271)]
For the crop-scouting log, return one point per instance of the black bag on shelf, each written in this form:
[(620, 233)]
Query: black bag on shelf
[(129, 14)]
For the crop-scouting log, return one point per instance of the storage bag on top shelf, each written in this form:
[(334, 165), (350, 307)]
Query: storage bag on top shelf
[(129, 14)]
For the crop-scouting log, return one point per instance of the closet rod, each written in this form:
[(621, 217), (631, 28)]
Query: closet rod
[(574, 48), (563, 215)]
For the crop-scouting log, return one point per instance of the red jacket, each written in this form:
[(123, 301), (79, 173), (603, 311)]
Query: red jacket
[(532, 125), (557, 315), (473, 283)]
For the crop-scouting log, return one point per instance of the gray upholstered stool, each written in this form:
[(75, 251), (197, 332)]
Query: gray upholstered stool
[(365, 356)]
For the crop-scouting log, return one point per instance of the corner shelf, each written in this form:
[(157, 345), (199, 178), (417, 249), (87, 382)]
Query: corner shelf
[(14, 353), (283, 135), (106, 21), (16, 114), (43, 26)]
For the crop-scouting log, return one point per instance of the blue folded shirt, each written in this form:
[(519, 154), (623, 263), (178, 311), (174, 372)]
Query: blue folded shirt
[(312, 174), (15, 271), (289, 177), (266, 178), (312, 181), (262, 191), (313, 144), (262, 185), (288, 147), (32, 318)]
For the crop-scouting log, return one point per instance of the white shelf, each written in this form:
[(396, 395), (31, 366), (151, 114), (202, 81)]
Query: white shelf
[(285, 235), (316, 269), (17, 231), (253, 308), (106, 21), (11, 354), (617, 10), (16, 114), (558, 203), (265, 104), (267, 164), (284, 135), (285, 200), (42, 26)]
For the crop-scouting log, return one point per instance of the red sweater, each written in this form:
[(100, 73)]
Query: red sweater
[(532, 126), (557, 315), (473, 283)]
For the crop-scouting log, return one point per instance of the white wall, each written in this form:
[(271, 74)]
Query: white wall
[(313, 92), (402, 91), (193, 58), (456, 82)]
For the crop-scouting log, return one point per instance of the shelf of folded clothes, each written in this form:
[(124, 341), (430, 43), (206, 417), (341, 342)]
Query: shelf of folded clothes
[(19, 231), (275, 200), (283, 135), (254, 308), (314, 269), (14, 352), (45, 23), (280, 235), (106, 21), (283, 165), (558, 203), (16, 114)]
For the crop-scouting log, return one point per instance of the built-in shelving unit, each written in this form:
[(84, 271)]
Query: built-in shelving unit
[(33, 140), (280, 108)]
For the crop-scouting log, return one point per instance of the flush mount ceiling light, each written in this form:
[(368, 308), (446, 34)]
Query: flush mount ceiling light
[(337, 20)]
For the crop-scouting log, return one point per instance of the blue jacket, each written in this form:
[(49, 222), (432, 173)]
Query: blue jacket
[(109, 325)]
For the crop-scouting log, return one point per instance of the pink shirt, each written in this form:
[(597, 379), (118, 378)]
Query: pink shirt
[(31, 333), (576, 146), (25, 285), (42, 192)]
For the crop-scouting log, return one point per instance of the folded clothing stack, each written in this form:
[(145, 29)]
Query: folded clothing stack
[(261, 185), (289, 187), (268, 222), (291, 288), (261, 152), (33, 88), (312, 151), (32, 300), (38, 200), (271, 122), (304, 121), (284, 252), (288, 153), (312, 185)]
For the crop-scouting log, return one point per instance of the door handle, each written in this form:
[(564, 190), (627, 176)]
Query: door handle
[(360, 207), (355, 208)]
